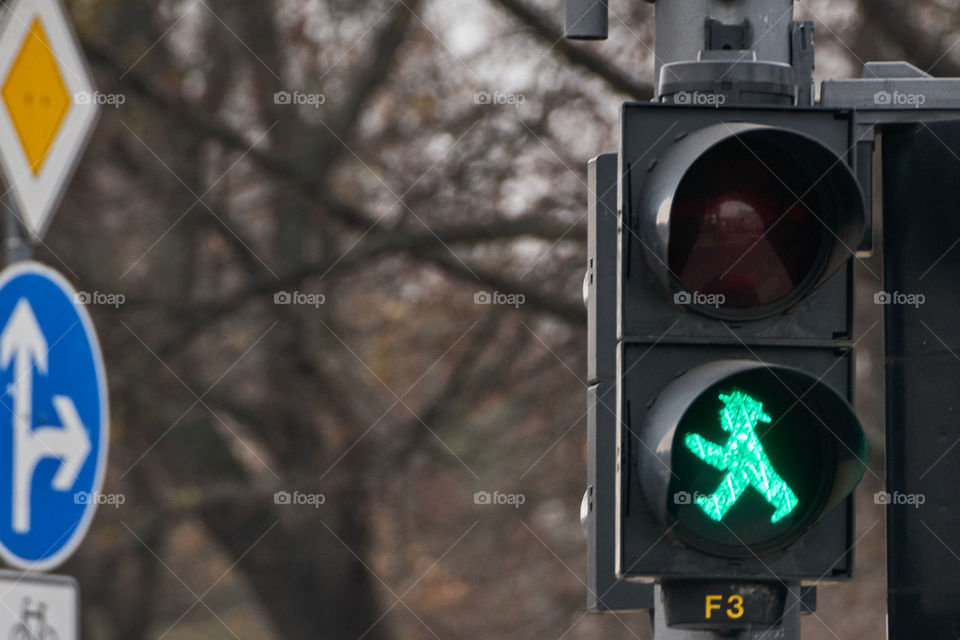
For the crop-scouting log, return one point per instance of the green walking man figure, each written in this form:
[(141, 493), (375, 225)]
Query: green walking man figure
[(743, 458)]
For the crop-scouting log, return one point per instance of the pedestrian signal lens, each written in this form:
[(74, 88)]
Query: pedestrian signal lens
[(758, 455), (743, 458)]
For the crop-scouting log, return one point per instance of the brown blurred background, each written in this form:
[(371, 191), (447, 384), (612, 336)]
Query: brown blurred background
[(382, 163)]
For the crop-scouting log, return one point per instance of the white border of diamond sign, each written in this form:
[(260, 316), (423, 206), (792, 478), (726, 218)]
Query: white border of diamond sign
[(37, 196)]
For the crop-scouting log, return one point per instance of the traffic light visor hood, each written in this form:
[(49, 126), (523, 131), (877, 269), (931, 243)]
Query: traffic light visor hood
[(742, 458), (748, 219)]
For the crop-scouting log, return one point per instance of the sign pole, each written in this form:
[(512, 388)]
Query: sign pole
[(17, 245), (50, 359)]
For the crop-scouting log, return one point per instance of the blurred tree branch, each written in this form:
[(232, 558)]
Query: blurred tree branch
[(415, 244), (545, 29), (570, 311), (894, 21)]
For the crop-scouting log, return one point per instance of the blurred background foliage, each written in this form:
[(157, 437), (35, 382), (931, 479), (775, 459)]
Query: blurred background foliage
[(398, 199)]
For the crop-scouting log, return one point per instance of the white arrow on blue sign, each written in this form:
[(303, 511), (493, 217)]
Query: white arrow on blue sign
[(55, 403)]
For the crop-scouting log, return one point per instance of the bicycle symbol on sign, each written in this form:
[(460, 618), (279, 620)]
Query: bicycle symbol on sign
[(33, 624)]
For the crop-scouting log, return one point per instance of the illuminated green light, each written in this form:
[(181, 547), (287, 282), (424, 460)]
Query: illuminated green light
[(743, 458)]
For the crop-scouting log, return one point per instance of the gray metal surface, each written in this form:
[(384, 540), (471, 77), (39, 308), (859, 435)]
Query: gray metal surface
[(892, 87), (888, 93), (681, 27), (734, 75), (605, 592), (897, 88)]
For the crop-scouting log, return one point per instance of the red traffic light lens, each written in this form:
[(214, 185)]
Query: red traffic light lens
[(749, 225)]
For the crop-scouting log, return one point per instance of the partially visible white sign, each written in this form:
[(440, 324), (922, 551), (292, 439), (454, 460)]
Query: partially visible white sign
[(34, 607)]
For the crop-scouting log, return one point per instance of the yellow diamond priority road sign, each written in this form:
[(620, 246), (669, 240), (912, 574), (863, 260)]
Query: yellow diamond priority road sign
[(48, 107)]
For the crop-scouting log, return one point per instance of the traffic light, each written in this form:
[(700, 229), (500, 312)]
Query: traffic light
[(734, 448), (738, 448)]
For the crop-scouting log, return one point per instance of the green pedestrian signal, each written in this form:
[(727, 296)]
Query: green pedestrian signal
[(743, 458)]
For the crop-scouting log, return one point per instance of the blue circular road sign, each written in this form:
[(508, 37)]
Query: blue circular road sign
[(53, 418)]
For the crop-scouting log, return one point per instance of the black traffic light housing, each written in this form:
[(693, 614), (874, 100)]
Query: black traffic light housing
[(921, 227), (714, 299)]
